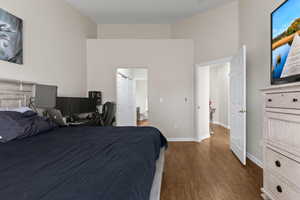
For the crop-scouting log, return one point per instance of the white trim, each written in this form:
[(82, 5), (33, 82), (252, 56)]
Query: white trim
[(255, 160), (266, 195), (205, 136), (189, 139), (214, 62), (182, 140), (157, 181), (221, 124)]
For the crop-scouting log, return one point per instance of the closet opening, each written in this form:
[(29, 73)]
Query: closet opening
[(132, 97)]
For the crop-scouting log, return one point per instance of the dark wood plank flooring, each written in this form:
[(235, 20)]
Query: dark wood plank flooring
[(209, 171)]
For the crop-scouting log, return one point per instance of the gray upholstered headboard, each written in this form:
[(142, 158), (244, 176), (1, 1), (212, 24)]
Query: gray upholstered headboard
[(15, 94)]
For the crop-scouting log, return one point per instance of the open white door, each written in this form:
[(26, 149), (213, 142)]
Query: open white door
[(202, 102), (126, 103), (238, 105)]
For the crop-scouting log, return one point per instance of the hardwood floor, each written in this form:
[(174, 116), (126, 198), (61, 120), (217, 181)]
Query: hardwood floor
[(143, 123), (209, 171)]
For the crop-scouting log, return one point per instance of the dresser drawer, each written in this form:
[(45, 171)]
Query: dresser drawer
[(283, 131), (283, 166), (279, 188), (283, 100)]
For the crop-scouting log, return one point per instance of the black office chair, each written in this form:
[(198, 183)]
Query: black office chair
[(108, 114)]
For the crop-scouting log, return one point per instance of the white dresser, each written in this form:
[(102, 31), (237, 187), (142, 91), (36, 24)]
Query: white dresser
[(282, 142)]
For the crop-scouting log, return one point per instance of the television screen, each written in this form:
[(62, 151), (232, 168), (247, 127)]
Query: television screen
[(285, 65)]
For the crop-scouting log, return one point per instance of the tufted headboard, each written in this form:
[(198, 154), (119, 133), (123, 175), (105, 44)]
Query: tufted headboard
[(15, 94)]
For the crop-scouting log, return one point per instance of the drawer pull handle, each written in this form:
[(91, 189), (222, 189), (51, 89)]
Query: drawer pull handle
[(269, 100), (279, 189), (295, 100), (277, 163)]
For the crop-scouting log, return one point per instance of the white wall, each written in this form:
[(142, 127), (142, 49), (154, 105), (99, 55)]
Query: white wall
[(54, 45), (170, 73), (134, 31), (215, 32), (255, 33), (219, 92)]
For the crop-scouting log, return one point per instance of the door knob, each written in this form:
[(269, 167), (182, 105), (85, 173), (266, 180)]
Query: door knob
[(277, 163), (279, 189)]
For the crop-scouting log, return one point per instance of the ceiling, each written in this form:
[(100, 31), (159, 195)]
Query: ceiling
[(142, 11)]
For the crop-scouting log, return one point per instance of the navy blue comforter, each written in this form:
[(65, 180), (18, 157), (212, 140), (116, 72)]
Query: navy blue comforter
[(81, 163)]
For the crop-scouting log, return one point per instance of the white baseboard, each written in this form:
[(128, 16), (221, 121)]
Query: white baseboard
[(255, 160), (204, 136), (189, 139), (221, 124), (182, 140)]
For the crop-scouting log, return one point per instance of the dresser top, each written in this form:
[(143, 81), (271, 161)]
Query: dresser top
[(291, 87)]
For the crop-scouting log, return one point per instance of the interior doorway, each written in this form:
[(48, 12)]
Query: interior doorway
[(221, 95), (132, 97), (212, 97)]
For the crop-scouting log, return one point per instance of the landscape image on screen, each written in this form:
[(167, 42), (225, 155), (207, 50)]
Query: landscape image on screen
[(11, 38), (286, 40)]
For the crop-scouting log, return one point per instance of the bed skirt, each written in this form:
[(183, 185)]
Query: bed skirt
[(157, 182)]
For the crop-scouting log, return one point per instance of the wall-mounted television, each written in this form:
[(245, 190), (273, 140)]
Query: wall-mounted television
[(285, 44)]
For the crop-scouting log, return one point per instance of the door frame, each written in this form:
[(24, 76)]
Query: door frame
[(215, 62), (116, 83), (206, 64)]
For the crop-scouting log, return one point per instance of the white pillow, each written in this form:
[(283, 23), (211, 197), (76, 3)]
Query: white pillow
[(20, 110)]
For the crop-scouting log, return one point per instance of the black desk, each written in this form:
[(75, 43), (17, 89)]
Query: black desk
[(83, 123)]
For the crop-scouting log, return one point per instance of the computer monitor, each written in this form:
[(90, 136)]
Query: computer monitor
[(45, 96), (73, 106)]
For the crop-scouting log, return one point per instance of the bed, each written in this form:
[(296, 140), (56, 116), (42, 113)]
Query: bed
[(79, 163)]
